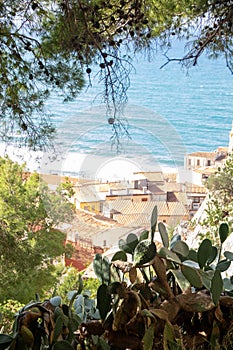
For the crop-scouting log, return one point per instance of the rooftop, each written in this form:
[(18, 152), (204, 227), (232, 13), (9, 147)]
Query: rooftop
[(203, 154), (85, 225), (139, 213), (153, 176)]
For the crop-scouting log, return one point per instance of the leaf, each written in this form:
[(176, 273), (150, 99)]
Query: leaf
[(223, 231), (144, 252), (168, 335), (62, 345), (174, 239), (101, 268), (204, 252), (180, 279), (163, 233), (133, 274), (216, 286), (207, 277), (103, 344), (106, 270), (95, 339), (5, 341), (191, 263), (147, 313), (154, 217), (58, 328), (71, 294), (89, 304), (97, 266), (144, 235), (79, 301), (192, 276), (148, 337), (103, 300), (228, 286), (55, 301), (73, 325), (115, 273), (215, 336), (161, 314), (132, 241), (168, 254), (121, 255), (30, 306), (123, 246), (192, 255), (65, 309), (213, 255), (79, 306), (80, 284), (181, 248), (228, 255), (223, 265), (87, 293)]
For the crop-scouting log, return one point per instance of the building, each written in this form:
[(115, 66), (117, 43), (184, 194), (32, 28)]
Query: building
[(195, 197), (138, 214), (209, 159), (200, 165), (205, 160)]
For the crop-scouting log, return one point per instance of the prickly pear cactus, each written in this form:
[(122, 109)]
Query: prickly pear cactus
[(144, 252)]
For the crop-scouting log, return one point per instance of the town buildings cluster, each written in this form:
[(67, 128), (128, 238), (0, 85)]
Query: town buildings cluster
[(106, 212)]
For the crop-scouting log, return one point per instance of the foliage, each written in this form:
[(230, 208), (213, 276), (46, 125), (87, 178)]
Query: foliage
[(66, 188), (153, 298), (221, 182), (219, 206), (29, 242), (51, 324), (69, 280), (8, 310), (54, 45), (176, 298), (28, 74)]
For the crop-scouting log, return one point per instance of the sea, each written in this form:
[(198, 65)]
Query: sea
[(171, 111)]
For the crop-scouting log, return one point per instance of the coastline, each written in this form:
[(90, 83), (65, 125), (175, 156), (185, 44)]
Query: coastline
[(86, 166)]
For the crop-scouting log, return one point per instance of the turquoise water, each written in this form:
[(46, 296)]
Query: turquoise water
[(170, 112)]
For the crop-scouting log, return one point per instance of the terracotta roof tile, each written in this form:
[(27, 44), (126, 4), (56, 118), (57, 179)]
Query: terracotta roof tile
[(139, 214), (203, 154)]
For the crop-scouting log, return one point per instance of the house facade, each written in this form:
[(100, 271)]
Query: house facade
[(204, 160)]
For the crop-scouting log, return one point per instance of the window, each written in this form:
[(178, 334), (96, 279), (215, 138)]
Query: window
[(101, 207), (164, 221), (196, 206), (198, 162), (208, 162), (144, 199), (190, 162)]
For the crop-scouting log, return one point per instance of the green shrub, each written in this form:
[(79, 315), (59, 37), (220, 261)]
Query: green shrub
[(8, 310)]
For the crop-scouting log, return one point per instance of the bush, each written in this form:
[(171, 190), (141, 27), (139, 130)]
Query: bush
[(8, 310)]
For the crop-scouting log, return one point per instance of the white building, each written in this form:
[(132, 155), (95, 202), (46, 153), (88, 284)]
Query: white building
[(200, 165)]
